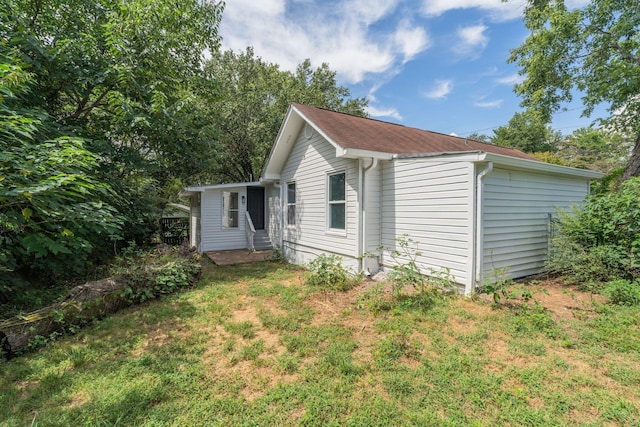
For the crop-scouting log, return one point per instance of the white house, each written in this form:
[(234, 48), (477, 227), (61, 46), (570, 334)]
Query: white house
[(340, 184)]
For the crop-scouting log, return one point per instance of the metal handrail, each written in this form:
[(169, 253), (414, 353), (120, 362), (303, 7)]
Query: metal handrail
[(250, 231)]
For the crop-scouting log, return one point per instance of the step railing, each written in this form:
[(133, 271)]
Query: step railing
[(250, 232)]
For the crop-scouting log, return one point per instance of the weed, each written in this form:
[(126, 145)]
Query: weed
[(623, 292), (245, 329), (329, 273), (374, 300), (500, 285)]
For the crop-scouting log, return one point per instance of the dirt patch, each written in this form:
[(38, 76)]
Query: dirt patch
[(79, 399)]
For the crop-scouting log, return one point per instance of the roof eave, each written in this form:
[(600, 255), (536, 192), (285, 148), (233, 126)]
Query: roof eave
[(539, 166)]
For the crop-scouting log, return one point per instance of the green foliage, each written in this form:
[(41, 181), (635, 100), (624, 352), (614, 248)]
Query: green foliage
[(149, 276), (248, 97), (600, 241), (623, 292), (594, 49), (500, 286), (329, 273), (407, 272), (528, 132), (52, 203)]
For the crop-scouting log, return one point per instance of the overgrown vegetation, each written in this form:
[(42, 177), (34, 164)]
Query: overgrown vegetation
[(137, 277), (600, 240), (108, 108), (254, 345), (328, 272)]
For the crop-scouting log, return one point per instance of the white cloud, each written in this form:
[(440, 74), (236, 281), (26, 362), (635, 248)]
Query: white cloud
[(471, 40), (489, 104), (510, 80), (341, 34), (411, 41), (383, 112), (441, 89), (498, 10)]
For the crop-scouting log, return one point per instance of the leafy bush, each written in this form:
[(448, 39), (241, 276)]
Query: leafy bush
[(406, 270), (329, 273), (600, 241), (623, 292), (149, 275)]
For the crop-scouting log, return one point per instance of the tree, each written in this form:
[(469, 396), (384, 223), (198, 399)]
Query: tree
[(52, 213), (476, 136), (121, 74), (595, 50), (249, 97), (528, 132), (112, 109), (595, 149)]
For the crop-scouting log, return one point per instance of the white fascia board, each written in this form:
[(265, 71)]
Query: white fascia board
[(540, 167), (201, 188), (355, 153), (463, 156), (283, 143), (269, 178)]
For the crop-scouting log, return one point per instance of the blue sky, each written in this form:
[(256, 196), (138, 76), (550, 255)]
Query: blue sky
[(438, 65)]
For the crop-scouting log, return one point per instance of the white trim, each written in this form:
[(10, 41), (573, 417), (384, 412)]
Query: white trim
[(201, 188), (328, 203)]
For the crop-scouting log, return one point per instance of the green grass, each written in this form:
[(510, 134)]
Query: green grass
[(252, 345)]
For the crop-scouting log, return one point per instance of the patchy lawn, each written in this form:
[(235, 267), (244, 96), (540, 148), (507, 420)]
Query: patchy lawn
[(252, 345)]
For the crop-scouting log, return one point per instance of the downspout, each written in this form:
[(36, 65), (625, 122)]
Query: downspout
[(479, 244), (362, 228), (280, 215)]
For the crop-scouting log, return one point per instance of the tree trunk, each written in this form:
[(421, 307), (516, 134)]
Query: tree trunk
[(633, 166)]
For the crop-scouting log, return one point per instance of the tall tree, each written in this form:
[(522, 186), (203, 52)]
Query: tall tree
[(595, 50), (249, 98), (52, 213), (121, 74), (528, 132)]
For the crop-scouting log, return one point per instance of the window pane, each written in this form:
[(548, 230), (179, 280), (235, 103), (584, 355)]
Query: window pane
[(230, 209), (291, 214), (336, 187), (234, 201), (336, 213), (291, 193)]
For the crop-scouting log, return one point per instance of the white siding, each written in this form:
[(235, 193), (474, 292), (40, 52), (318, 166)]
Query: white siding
[(515, 218), (308, 165), (214, 236), (430, 200), (274, 213)]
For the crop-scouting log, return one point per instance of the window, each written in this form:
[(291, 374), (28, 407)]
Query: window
[(229, 209), (291, 203), (337, 201)]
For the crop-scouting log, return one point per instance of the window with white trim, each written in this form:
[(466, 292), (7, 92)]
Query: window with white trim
[(291, 203), (337, 201), (229, 209)]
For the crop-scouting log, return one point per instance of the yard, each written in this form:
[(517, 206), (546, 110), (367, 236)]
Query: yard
[(254, 345)]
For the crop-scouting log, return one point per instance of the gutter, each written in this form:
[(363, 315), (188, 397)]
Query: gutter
[(479, 231), (362, 214)]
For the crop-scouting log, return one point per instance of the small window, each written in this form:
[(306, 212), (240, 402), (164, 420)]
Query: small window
[(229, 209), (337, 201), (291, 203)]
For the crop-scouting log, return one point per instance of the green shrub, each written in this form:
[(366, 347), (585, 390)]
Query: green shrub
[(623, 292), (329, 273), (600, 241)]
